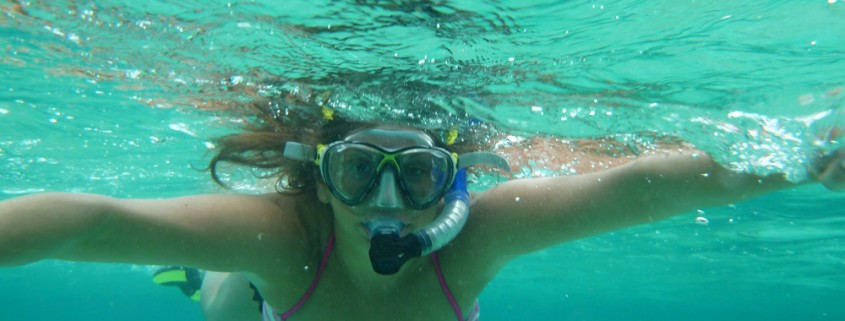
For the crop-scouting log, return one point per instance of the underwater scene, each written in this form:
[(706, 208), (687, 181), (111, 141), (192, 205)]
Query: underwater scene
[(125, 98)]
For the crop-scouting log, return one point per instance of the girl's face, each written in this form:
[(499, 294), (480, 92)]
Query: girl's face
[(385, 198)]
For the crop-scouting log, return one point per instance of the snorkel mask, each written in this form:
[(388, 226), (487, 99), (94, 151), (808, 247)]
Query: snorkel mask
[(422, 172)]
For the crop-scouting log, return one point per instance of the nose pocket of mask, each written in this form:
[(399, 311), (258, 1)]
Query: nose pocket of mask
[(387, 193)]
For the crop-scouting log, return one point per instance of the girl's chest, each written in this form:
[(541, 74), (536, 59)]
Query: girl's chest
[(422, 297)]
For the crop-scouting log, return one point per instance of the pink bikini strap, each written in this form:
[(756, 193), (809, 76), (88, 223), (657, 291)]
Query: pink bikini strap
[(313, 286), (445, 288)]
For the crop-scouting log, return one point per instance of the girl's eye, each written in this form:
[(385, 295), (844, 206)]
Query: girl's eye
[(360, 169), (416, 171)]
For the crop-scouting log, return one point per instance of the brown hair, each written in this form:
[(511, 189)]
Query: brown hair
[(261, 144)]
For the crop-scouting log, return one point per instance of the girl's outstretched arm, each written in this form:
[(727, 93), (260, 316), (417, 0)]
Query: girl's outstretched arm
[(220, 232), (525, 215)]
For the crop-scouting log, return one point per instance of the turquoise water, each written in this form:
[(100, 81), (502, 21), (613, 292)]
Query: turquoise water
[(122, 98)]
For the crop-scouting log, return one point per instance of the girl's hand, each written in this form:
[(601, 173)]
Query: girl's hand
[(830, 170)]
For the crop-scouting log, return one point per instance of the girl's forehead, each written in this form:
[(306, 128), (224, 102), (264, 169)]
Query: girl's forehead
[(391, 138)]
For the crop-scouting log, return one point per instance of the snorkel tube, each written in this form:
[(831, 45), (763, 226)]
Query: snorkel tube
[(389, 251)]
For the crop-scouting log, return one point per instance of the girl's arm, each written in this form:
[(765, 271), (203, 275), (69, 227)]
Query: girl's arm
[(530, 214), (219, 232), (830, 170)]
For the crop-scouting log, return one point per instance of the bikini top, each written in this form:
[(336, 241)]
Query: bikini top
[(269, 315)]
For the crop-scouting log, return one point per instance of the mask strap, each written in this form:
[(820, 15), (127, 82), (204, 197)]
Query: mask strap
[(299, 151)]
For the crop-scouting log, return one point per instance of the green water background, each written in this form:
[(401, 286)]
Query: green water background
[(112, 98)]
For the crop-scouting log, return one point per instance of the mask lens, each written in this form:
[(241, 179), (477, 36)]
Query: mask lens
[(425, 175), (350, 170)]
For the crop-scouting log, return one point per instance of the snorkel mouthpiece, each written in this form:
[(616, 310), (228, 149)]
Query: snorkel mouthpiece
[(388, 250)]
